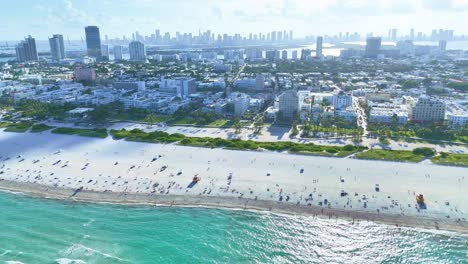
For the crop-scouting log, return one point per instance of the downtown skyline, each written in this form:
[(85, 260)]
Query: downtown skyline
[(117, 18)]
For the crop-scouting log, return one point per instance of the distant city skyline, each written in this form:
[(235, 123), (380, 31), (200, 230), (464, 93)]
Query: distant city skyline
[(118, 17)]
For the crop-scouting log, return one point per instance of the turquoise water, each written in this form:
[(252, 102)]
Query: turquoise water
[(49, 231)]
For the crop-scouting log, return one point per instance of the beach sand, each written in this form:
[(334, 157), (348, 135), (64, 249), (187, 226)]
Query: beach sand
[(50, 165)]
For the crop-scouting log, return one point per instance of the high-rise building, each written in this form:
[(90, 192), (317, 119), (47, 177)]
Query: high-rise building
[(290, 35), (105, 52), (118, 53), (373, 45), (93, 41), (294, 55), (26, 50), (319, 47), (394, 34), (57, 48), (137, 51), (412, 34), (288, 104), (442, 45), (284, 55), (273, 36)]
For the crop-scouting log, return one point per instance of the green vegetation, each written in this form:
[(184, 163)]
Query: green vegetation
[(428, 132), (391, 155), (163, 137), (426, 152), (19, 127), (451, 159), (384, 141), (94, 132), (41, 110), (459, 86), (141, 136), (408, 84), (5, 124), (36, 128)]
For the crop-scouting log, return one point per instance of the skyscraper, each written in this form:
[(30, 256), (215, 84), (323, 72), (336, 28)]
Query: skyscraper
[(105, 52), (442, 45), (57, 48), (118, 52), (319, 47), (373, 45), (93, 41), (137, 51), (26, 50), (394, 34)]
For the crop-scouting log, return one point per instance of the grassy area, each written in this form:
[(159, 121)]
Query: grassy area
[(20, 127), (163, 137), (182, 121), (36, 128), (221, 123), (93, 132), (451, 159), (391, 155), (5, 124)]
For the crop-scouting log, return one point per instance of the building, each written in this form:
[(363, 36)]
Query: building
[(257, 84), (93, 41), (373, 46), (182, 86), (272, 55), (220, 67), (406, 47), (85, 74), (137, 51), (118, 53), (305, 54), (387, 113), (427, 109), (294, 55), (319, 47), (254, 54), (139, 86), (57, 48), (442, 45), (458, 120), (26, 50), (105, 52), (284, 55), (241, 104), (288, 105), (342, 100)]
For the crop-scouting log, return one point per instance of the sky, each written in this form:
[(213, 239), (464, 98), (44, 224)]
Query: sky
[(115, 18)]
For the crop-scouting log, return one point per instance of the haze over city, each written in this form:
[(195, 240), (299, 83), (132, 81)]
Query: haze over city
[(305, 17)]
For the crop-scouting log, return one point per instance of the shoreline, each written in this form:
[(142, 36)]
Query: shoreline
[(126, 172), (230, 203)]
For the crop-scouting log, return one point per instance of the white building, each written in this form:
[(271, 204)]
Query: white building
[(342, 101), (139, 86), (241, 103), (181, 86), (427, 109)]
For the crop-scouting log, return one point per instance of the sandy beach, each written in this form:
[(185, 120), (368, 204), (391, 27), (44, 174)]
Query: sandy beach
[(51, 165)]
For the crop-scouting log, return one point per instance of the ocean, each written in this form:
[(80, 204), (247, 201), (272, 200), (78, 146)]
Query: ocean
[(35, 230)]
